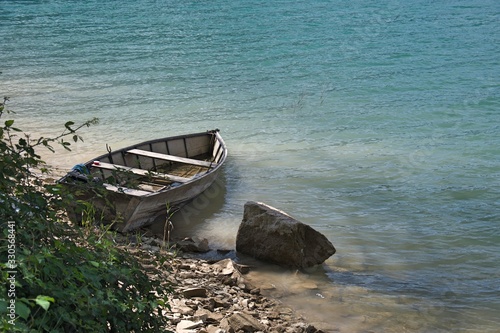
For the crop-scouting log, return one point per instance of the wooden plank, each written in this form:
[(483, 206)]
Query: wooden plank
[(141, 172), (126, 190), (171, 158)]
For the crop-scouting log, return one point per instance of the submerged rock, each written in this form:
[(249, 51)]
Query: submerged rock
[(271, 235)]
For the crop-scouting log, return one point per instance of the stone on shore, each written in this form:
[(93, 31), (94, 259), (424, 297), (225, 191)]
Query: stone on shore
[(193, 244), (188, 326), (271, 235), (243, 322), (194, 292)]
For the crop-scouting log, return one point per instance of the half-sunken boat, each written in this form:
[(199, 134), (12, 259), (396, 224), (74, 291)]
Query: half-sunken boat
[(132, 186)]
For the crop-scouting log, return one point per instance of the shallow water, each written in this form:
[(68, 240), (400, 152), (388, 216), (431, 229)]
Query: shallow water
[(377, 124)]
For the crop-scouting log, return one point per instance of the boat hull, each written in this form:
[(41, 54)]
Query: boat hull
[(143, 211)]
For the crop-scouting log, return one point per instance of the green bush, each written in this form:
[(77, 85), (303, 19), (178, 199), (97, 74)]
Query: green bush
[(56, 277)]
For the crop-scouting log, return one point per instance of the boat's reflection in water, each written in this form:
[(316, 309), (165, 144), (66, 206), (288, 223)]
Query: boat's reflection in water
[(192, 218)]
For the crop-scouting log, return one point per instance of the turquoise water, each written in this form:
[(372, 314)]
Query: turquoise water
[(375, 122)]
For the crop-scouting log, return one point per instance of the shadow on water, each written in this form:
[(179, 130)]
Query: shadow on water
[(200, 209)]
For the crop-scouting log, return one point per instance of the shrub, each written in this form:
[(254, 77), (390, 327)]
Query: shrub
[(56, 277)]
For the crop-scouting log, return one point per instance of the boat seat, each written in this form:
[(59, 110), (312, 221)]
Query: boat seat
[(140, 172), (130, 191), (172, 158)]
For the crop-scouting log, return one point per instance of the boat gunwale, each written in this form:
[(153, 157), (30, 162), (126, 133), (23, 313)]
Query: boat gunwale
[(198, 177)]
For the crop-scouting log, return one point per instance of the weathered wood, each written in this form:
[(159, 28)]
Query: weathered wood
[(141, 172), (126, 190), (171, 158)]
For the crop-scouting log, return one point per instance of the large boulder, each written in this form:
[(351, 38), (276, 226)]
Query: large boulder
[(271, 235)]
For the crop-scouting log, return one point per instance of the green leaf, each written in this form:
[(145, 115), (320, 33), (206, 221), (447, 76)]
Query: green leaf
[(22, 310), (9, 123), (44, 301), (68, 126), (94, 263)]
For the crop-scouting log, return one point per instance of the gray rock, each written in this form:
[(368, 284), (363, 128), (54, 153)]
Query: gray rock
[(213, 329), (225, 267), (244, 322), (271, 235), (194, 245), (179, 306), (208, 316), (194, 292), (188, 326)]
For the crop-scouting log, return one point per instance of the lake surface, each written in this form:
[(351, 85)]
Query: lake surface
[(377, 123)]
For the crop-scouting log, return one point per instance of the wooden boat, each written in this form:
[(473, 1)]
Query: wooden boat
[(132, 186)]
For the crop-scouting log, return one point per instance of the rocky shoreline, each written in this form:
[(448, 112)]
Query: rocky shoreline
[(214, 296), (210, 296)]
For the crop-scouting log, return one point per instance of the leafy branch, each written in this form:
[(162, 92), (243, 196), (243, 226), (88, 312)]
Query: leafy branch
[(68, 279), (69, 130)]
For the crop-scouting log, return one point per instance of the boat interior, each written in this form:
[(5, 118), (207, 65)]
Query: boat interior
[(156, 165)]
